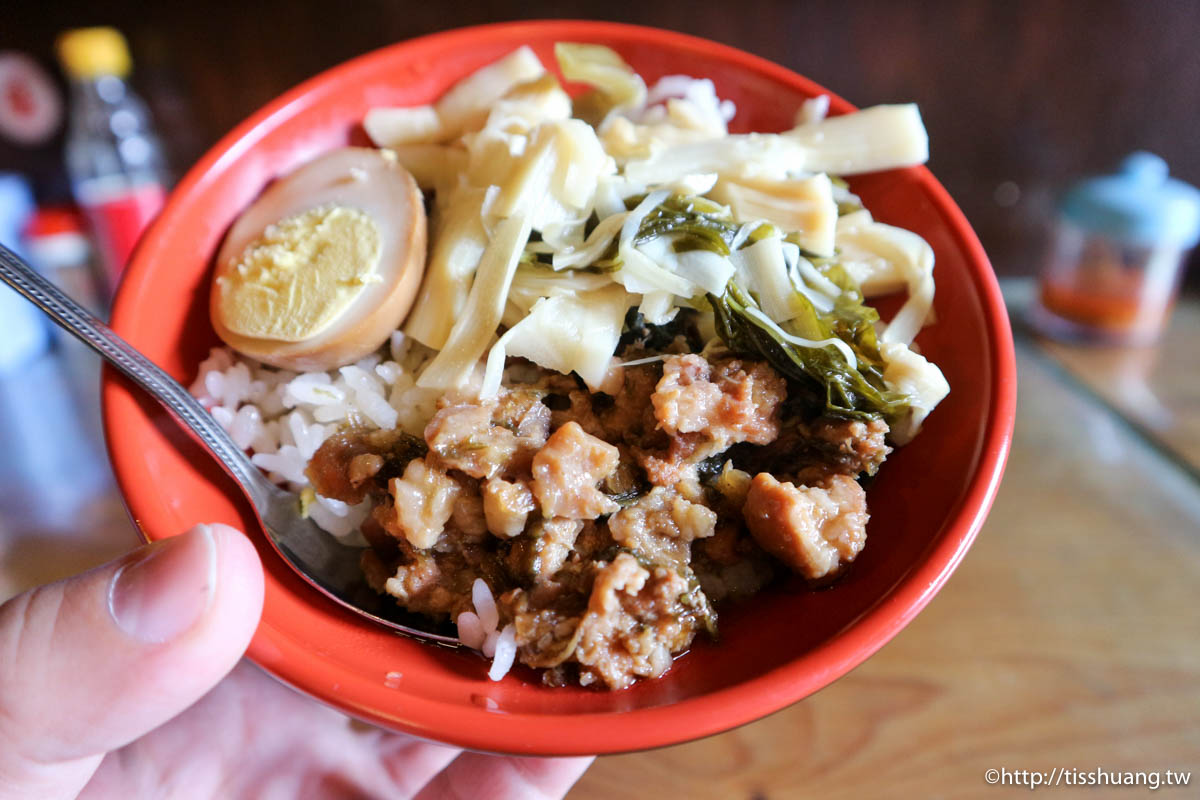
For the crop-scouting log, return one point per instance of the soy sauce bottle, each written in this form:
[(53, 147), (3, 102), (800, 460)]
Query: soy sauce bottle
[(113, 156)]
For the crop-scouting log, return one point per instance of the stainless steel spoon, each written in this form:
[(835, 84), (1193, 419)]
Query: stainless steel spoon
[(325, 563)]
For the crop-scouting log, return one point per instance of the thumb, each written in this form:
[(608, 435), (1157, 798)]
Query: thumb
[(93, 662)]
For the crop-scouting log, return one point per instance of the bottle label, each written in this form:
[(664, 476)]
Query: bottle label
[(117, 221)]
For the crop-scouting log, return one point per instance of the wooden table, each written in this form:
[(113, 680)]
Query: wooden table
[(1156, 388), (1069, 638)]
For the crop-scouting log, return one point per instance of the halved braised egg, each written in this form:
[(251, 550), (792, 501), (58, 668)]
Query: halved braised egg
[(324, 265)]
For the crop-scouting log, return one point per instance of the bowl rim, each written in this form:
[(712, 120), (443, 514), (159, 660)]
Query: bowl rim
[(673, 723)]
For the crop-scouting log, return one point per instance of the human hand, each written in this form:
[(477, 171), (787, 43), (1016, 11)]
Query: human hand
[(100, 676)]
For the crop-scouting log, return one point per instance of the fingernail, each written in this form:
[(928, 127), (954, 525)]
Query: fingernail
[(167, 588)]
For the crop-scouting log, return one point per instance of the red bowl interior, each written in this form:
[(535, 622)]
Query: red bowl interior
[(927, 504)]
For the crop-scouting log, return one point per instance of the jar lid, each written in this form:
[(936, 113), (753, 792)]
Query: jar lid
[(1139, 204)]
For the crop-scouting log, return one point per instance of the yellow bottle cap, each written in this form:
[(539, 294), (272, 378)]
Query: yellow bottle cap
[(91, 52)]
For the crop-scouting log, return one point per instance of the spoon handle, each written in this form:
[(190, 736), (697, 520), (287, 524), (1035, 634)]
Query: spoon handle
[(76, 320)]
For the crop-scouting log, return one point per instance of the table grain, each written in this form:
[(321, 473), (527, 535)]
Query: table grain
[(1156, 387)]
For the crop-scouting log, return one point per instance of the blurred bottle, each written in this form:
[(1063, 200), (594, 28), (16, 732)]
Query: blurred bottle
[(1118, 254), (59, 248), (114, 158), (50, 469)]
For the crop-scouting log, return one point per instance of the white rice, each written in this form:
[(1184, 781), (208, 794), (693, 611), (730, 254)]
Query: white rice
[(485, 605), (506, 653), (479, 631), (470, 630), (282, 417)]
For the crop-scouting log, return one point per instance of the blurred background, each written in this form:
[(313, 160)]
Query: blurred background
[(1067, 648)]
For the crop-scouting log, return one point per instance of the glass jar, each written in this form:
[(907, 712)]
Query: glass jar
[(1117, 255)]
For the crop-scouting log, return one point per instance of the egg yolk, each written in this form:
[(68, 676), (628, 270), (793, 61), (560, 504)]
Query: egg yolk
[(301, 274)]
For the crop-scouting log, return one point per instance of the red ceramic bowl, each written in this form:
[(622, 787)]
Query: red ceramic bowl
[(927, 504)]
